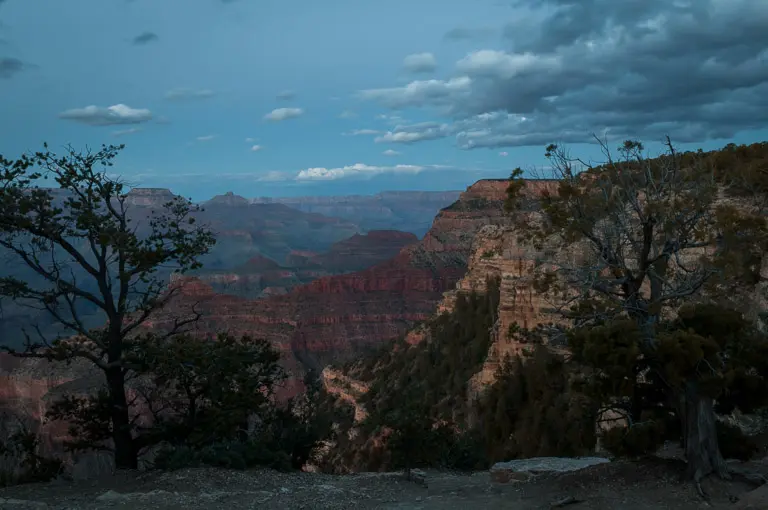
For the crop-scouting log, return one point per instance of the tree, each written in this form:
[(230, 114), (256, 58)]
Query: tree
[(412, 439), (84, 248), (637, 238), (187, 392), (717, 348)]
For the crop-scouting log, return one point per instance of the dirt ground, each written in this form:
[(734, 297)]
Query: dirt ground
[(645, 485)]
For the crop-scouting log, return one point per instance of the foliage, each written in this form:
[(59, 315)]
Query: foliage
[(637, 440), (21, 449), (229, 455), (735, 444), (532, 409), (285, 437), (192, 391), (84, 252)]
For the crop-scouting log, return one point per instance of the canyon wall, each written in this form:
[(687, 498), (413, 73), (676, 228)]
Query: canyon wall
[(261, 276)]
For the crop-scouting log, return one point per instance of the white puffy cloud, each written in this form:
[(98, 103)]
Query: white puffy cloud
[(110, 116), (504, 153), (390, 152), (420, 63), (421, 93), (356, 170), (257, 148), (498, 64), (362, 132), (280, 114), (415, 133)]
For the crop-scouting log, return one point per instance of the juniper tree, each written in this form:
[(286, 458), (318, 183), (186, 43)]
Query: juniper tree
[(84, 252), (636, 238)]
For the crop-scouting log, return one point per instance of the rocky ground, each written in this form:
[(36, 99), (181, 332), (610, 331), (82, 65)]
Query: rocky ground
[(651, 484)]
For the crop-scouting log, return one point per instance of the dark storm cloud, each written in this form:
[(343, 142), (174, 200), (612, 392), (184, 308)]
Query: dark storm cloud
[(10, 66), (693, 70), (145, 38)]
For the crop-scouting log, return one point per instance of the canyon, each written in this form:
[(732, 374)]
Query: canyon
[(331, 319), (261, 276), (409, 211)]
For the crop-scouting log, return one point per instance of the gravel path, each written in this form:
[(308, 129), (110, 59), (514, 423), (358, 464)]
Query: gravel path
[(627, 486)]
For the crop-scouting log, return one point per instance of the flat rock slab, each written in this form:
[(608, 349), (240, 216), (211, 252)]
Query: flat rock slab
[(521, 470), (753, 500)]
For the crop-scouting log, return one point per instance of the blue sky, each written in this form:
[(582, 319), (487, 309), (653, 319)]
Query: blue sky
[(300, 97)]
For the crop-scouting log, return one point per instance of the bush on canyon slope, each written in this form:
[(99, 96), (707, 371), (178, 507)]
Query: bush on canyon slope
[(532, 409)]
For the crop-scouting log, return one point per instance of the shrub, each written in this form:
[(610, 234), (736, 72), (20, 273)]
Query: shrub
[(734, 443), (20, 450)]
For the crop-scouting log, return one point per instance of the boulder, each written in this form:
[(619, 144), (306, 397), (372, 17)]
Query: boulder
[(522, 470)]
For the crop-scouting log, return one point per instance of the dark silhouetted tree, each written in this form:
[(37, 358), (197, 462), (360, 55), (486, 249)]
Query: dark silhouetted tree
[(86, 252)]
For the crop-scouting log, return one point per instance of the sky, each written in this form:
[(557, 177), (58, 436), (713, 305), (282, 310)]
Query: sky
[(301, 97)]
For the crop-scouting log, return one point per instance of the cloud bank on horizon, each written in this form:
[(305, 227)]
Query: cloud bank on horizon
[(326, 99)]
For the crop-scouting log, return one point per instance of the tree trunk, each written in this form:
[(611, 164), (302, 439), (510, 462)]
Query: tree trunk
[(700, 435), (126, 453)]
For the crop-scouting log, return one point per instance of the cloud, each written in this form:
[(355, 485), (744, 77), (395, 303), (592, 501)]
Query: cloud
[(257, 148), (123, 132), (145, 38), (356, 170), (280, 114), (274, 176), (696, 70), (110, 116), (286, 95), (465, 34), (390, 152), (182, 93), (205, 138), (420, 63), (391, 119), (421, 93), (504, 153), (362, 132), (10, 66), (497, 64), (347, 114), (415, 133)]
